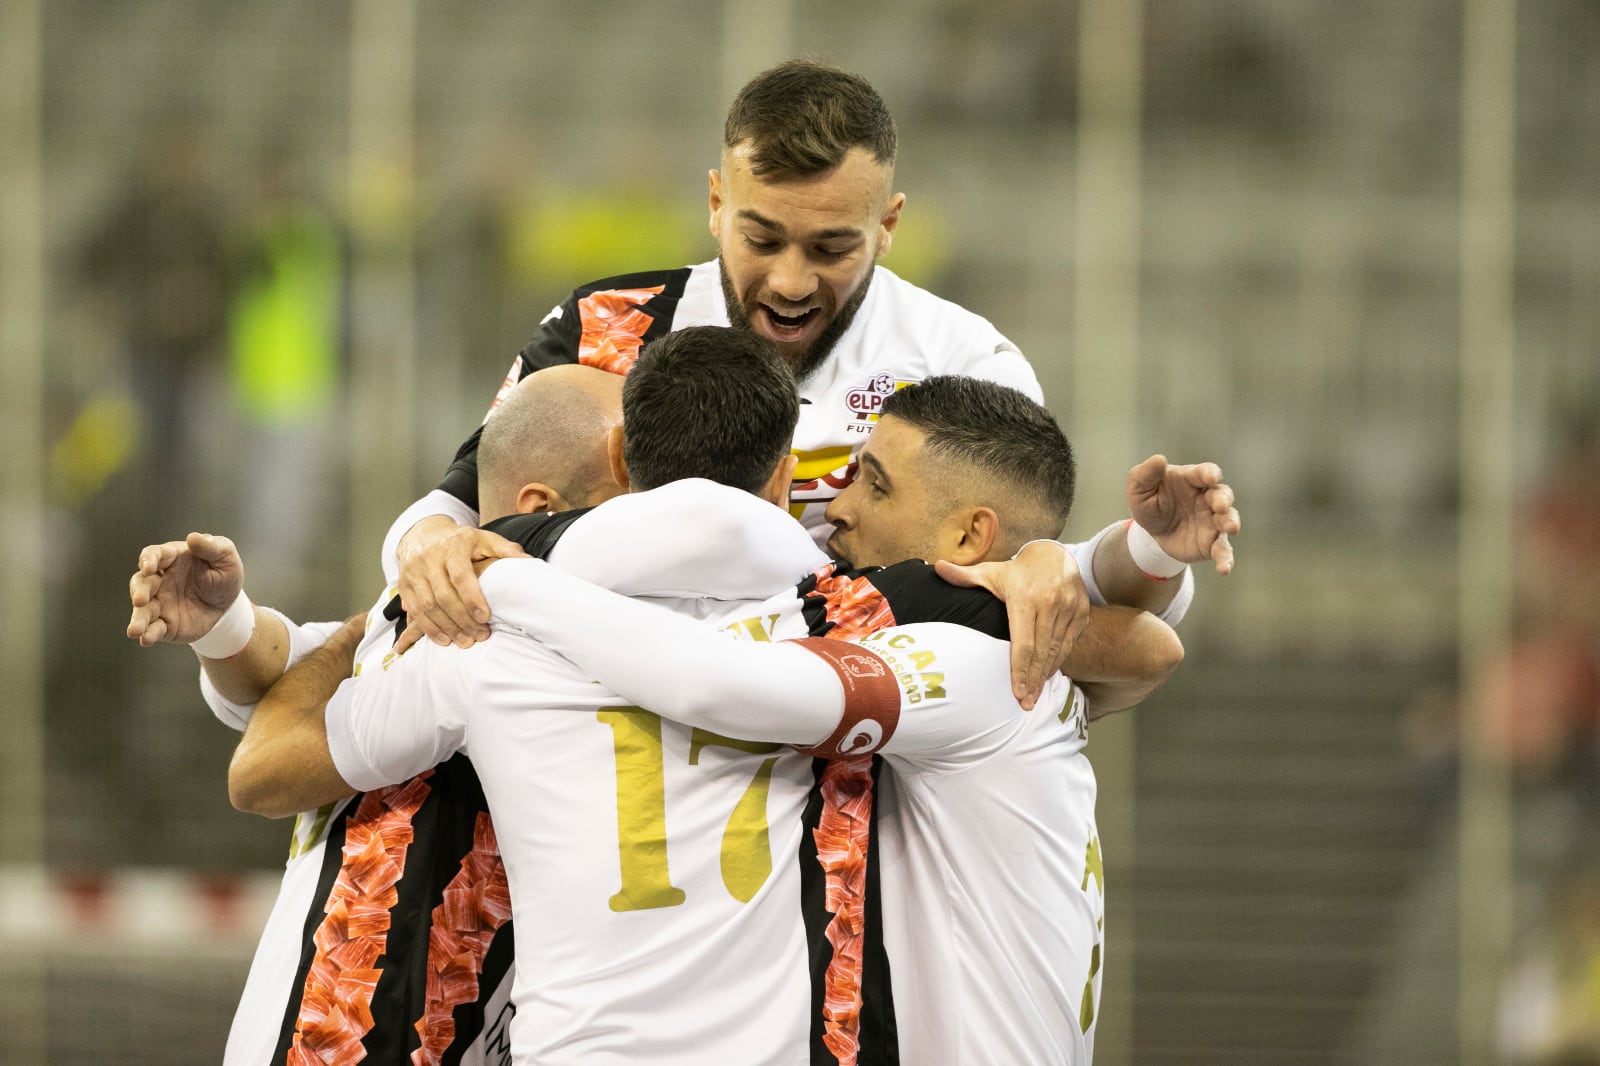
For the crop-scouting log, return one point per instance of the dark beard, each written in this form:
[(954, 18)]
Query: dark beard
[(805, 363)]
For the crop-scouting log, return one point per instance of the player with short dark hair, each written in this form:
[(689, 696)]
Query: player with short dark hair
[(581, 784), (801, 117), (1011, 441), (987, 817), (708, 402), (803, 208)]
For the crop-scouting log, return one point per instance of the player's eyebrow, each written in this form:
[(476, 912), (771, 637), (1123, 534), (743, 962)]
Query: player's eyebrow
[(764, 222)]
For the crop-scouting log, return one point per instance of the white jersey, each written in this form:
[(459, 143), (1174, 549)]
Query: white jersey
[(901, 334), (992, 893), (652, 866), (294, 1000), (993, 887)]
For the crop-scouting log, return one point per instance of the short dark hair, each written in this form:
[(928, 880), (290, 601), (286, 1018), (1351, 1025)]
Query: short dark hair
[(998, 431), (801, 118), (709, 401)]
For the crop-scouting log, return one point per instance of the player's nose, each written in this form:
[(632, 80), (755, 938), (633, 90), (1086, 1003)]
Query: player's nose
[(839, 511), (791, 277)]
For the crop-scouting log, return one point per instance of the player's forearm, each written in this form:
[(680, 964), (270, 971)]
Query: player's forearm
[(244, 677), (671, 665), (282, 765), (1120, 580), (234, 710), (1122, 656)]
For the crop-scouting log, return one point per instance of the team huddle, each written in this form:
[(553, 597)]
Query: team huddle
[(668, 741)]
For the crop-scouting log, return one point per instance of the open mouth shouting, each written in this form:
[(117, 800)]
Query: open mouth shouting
[(790, 324), (805, 329)]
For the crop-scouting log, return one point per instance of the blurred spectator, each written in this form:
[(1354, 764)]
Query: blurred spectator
[(1538, 706), (1540, 703), (285, 329), (473, 299), (158, 262)]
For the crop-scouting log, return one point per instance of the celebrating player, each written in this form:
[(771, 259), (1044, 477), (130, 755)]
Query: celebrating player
[(694, 953), (272, 774), (991, 875), (666, 426), (802, 206), (546, 453)]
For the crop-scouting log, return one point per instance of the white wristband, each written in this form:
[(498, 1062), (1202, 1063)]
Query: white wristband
[(232, 631), (1148, 556)]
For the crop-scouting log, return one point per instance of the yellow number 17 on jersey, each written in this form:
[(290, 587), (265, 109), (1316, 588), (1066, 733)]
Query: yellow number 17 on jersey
[(642, 813)]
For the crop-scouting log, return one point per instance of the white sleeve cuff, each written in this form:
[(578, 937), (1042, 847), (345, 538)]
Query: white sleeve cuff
[(1084, 553), (1180, 603), (233, 715), (434, 503), (303, 640)]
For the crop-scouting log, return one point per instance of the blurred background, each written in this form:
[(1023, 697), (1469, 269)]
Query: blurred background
[(262, 268)]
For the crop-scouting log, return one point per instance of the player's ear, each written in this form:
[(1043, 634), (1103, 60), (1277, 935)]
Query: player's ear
[(887, 224), (970, 535), (536, 497), (777, 487), (619, 469), (714, 200)]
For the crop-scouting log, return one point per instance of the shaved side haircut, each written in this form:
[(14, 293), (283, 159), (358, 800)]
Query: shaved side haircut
[(996, 440)]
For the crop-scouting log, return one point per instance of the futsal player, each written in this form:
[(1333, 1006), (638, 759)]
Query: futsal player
[(991, 874), (643, 733), (439, 995)]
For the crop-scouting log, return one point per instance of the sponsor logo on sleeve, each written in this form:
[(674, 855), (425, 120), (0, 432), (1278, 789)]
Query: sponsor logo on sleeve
[(867, 736), (871, 699)]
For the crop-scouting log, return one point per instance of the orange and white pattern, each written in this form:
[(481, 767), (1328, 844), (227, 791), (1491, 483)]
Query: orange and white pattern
[(855, 608), (336, 1009), (477, 902), (842, 841), (613, 328)]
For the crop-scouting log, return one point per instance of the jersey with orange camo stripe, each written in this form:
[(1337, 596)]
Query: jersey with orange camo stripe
[(390, 936), (853, 1017), (987, 814), (901, 334)]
